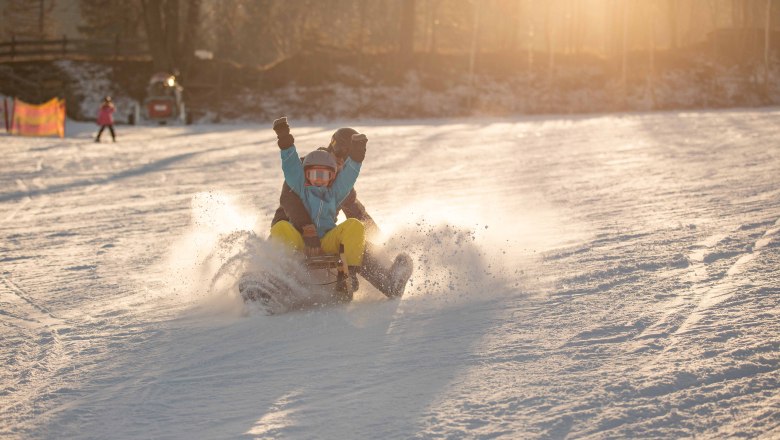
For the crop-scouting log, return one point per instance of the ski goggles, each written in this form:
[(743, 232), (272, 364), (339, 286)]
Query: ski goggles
[(319, 176)]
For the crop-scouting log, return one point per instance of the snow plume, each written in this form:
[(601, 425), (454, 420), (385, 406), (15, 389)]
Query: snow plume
[(479, 244), (454, 264), (206, 264), (219, 230), (451, 265)]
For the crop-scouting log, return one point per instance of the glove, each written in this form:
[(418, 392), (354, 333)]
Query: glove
[(357, 151), (311, 240), (282, 129)]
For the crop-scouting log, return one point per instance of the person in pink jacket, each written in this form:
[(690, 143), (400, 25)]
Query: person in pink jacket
[(106, 118)]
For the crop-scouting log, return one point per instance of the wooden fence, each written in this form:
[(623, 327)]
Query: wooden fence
[(67, 48)]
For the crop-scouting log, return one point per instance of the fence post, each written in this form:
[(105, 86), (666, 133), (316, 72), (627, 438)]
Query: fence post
[(5, 115)]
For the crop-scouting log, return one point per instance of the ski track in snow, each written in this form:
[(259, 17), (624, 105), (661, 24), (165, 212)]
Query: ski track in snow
[(605, 276)]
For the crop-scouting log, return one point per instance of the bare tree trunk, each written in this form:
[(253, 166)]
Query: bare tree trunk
[(171, 31), (550, 40), (435, 8), (767, 32), (473, 52), (624, 59), (530, 36), (614, 30), (651, 73), (673, 24), (474, 44), (713, 6), (572, 25), (41, 15), (190, 33), (747, 13), (429, 23), (362, 27), (513, 29), (406, 37), (737, 14), (155, 34), (580, 27)]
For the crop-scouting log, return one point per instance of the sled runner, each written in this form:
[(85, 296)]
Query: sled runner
[(327, 282)]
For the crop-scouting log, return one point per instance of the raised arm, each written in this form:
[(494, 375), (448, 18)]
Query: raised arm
[(291, 164), (348, 175)]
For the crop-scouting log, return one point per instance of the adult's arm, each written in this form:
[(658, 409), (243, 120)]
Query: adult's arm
[(345, 180), (353, 208), (292, 209)]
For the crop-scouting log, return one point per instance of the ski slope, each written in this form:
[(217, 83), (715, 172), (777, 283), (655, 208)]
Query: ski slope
[(602, 276)]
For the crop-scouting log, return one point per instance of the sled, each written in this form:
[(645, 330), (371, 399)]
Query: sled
[(275, 294)]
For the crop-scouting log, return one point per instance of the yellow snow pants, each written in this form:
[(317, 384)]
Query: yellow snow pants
[(350, 232)]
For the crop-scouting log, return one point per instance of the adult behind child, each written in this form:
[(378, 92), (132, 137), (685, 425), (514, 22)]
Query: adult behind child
[(322, 189), (390, 279), (105, 118)]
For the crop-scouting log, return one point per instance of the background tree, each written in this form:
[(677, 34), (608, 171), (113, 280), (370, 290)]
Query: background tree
[(110, 19), (406, 31), (29, 18), (158, 18), (167, 32)]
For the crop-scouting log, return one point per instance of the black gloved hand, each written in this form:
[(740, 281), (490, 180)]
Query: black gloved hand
[(357, 150), (311, 240), (282, 129)]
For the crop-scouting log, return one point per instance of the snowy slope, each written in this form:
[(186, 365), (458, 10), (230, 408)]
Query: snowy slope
[(585, 277)]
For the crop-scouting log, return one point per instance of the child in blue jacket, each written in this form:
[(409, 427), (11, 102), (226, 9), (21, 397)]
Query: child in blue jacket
[(322, 188)]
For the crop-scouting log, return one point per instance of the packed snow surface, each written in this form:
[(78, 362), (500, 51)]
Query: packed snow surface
[(604, 276)]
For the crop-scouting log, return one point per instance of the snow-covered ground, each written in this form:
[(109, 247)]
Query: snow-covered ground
[(592, 277)]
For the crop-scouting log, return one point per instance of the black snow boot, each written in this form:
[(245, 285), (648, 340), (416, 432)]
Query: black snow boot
[(390, 281), (341, 284), (374, 271), (400, 272)]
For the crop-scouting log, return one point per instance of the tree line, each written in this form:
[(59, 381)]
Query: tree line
[(261, 32)]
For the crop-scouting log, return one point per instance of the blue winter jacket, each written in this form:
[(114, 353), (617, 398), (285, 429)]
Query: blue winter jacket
[(321, 202)]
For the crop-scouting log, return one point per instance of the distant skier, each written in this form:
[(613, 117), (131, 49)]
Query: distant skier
[(389, 279), (321, 189), (106, 118)]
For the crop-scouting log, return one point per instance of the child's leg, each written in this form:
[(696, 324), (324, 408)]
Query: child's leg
[(111, 129), (352, 234), (285, 232), (102, 127)]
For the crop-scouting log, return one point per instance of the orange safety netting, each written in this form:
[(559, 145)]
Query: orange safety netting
[(47, 119)]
